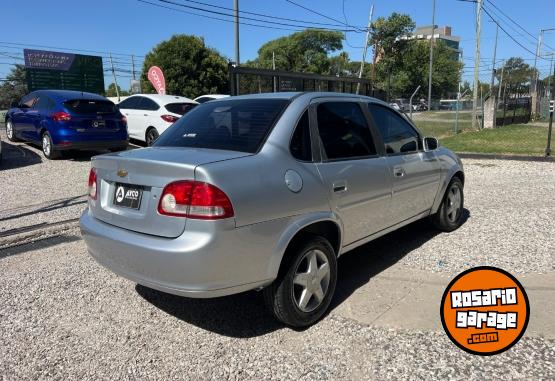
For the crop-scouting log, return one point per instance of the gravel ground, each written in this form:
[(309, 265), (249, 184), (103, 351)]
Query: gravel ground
[(64, 317)]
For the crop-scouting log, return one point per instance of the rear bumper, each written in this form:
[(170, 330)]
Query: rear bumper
[(207, 260), (91, 145)]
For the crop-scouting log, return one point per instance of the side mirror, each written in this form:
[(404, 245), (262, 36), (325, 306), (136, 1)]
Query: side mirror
[(430, 144), (14, 104)]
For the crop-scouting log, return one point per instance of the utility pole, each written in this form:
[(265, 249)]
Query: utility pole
[(236, 22), (551, 109), (432, 54), (133, 65), (114, 74), (501, 81), (274, 68), (477, 65), (494, 58), (237, 58), (362, 62)]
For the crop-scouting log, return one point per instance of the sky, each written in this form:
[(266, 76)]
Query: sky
[(126, 27)]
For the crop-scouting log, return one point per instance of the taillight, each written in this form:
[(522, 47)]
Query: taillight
[(61, 116), (194, 199), (92, 184), (169, 118), (124, 119)]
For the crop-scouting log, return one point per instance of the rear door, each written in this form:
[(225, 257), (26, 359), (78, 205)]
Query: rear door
[(352, 170), (414, 173), (42, 108), (130, 109), (150, 117)]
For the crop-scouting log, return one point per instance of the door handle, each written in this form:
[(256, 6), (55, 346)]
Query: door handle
[(340, 187), (399, 172), (145, 114)]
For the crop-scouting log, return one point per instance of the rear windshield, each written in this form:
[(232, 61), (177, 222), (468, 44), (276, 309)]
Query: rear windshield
[(180, 108), (89, 106), (235, 125)]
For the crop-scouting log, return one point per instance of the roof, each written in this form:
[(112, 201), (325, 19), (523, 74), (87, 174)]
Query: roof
[(62, 95), (165, 99), (292, 95)]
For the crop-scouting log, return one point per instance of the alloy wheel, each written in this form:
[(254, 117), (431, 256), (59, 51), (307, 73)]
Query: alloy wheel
[(9, 130), (46, 146), (311, 281), (454, 203)]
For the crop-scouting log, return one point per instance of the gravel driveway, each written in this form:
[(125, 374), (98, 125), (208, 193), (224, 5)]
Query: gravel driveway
[(64, 317)]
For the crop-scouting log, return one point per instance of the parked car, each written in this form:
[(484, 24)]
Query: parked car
[(265, 192), (61, 120), (210, 97), (403, 103), (395, 106), (148, 115)]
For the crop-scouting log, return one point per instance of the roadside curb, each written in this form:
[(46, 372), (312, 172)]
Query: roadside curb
[(489, 156)]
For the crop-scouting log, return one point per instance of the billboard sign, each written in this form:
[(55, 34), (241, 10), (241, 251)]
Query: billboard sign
[(63, 71)]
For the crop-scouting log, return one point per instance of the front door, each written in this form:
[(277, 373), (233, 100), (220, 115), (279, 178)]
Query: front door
[(355, 175), (415, 174)]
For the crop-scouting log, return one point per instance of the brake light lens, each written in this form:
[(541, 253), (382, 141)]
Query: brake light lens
[(195, 199), (169, 118), (92, 184), (124, 119), (61, 116)]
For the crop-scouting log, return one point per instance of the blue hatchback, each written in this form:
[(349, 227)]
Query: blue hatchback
[(61, 120)]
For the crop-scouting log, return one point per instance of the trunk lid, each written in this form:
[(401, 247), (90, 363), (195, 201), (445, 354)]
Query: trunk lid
[(150, 170), (94, 117)]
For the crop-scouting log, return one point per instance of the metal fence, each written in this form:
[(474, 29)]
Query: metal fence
[(514, 111), (247, 80)]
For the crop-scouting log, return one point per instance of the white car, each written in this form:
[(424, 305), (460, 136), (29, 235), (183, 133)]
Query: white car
[(209, 97), (148, 115)]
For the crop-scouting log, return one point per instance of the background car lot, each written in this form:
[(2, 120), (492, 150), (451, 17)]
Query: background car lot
[(64, 316)]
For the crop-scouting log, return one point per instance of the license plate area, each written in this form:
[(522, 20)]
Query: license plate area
[(99, 123), (128, 196)]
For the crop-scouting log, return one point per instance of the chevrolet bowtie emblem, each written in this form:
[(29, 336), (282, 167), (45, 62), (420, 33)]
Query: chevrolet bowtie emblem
[(122, 172)]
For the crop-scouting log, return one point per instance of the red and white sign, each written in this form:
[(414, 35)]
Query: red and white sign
[(156, 77)]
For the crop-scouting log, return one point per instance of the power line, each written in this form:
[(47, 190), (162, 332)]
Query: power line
[(346, 22), (216, 18), (326, 17), (74, 49), (264, 15), (251, 18)]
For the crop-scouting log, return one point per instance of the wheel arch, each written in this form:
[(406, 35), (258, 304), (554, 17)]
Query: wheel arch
[(455, 172), (326, 225)]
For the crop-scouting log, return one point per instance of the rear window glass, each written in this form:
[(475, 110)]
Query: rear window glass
[(89, 106), (180, 108), (236, 125)]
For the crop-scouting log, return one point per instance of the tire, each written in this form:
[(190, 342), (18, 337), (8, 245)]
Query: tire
[(297, 277), (151, 136), (450, 212), (10, 133), (48, 147)]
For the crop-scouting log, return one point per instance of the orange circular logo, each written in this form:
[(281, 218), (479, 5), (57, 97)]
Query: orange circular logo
[(485, 311)]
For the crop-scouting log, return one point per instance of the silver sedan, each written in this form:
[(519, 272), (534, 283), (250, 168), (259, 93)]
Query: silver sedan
[(266, 192)]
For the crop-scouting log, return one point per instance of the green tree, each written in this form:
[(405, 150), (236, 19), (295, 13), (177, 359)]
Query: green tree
[(388, 36), (413, 70), (190, 67), (111, 92), (14, 87), (517, 75), (306, 51)]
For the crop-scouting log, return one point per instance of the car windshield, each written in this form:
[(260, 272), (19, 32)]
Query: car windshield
[(235, 125), (90, 106), (180, 108)]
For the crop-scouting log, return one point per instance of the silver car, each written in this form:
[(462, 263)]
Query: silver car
[(265, 192)]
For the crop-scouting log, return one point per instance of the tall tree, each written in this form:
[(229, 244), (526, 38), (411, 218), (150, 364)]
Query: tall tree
[(14, 87), (190, 67), (307, 51), (388, 35), (517, 75)]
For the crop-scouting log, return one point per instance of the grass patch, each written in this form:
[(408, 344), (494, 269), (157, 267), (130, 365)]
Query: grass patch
[(445, 115), (442, 129), (516, 139)]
